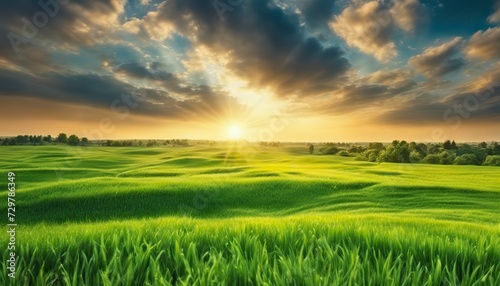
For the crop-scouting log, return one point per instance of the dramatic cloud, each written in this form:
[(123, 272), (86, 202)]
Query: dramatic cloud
[(408, 14), (485, 44), (369, 28), (70, 23), (440, 60), (265, 46), (108, 93)]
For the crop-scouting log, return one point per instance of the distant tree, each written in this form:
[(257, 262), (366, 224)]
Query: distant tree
[(454, 145), (397, 152), (446, 158), (466, 159), (496, 148), (20, 139), (62, 138), (311, 149), (447, 145), (73, 140), (432, 159), (492, 161), (85, 141), (47, 138), (415, 156), (434, 149), (376, 146), (483, 145)]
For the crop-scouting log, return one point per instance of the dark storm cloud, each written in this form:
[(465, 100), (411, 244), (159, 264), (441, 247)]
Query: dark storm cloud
[(268, 47)]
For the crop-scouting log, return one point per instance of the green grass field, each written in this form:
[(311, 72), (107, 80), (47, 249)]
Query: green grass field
[(211, 215)]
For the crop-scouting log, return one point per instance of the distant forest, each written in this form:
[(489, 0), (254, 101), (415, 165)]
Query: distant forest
[(446, 153)]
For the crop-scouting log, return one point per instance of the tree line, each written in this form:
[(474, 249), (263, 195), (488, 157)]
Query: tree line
[(74, 140), (446, 153), (40, 140)]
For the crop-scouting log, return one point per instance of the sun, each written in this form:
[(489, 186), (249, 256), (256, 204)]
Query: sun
[(234, 132)]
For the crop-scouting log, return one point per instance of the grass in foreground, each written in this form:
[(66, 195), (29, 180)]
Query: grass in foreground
[(300, 250)]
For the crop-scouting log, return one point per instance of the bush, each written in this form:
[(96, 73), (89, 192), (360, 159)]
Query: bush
[(492, 160), (432, 159), (330, 150), (343, 153), (466, 159)]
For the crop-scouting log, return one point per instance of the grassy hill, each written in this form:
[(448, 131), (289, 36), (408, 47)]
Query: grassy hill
[(240, 215)]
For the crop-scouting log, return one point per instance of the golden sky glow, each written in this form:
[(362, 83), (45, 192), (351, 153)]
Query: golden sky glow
[(265, 71)]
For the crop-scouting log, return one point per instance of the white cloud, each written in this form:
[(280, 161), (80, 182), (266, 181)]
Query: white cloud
[(369, 28)]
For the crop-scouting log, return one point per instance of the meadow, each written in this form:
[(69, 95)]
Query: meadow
[(241, 215)]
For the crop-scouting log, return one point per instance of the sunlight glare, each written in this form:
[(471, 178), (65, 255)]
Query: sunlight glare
[(234, 132)]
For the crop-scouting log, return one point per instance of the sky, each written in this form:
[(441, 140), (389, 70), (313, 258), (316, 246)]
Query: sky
[(257, 70)]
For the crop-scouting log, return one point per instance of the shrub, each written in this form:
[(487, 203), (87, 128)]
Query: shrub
[(466, 159), (330, 150), (343, 153), (492, 160)]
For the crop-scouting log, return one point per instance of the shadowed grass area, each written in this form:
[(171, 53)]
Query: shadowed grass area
[(246, 215)]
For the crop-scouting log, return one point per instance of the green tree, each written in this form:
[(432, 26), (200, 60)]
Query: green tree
[(73, 140), (415, 156), (447, 145), (446, 157), (432, 159), (466, 159), (85, 141), (454, 145), (492, 161), (62, 138)]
